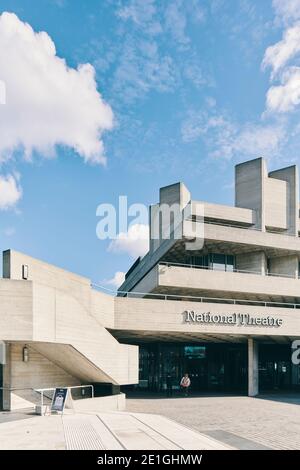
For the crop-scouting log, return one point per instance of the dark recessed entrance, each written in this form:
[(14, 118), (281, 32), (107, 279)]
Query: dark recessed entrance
[(216, 367), (276, 371), (211, 367)]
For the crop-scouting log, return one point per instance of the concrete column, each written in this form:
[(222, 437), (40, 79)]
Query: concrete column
[(7, 379), (250, 181), (253, 387)]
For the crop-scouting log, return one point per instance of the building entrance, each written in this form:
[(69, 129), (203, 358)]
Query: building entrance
[(276, 371), (211, 367), (216, 367)]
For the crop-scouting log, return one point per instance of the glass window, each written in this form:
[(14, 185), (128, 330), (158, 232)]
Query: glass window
[(205, 260), (198, 260), (195, 352), (229, 263), (219, 261)]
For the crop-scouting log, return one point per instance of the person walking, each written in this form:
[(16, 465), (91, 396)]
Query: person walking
[(169, 385), (185, 384)]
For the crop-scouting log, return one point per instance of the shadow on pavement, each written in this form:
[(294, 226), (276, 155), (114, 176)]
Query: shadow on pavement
[(7, 416), (133, 394), (292, 398)]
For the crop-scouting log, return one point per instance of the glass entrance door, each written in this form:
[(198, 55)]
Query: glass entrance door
[(274, 367), (196, 365), (212, 367)]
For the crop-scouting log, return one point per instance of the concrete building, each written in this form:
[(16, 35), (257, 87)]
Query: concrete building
[(223, 300), (218, 298)]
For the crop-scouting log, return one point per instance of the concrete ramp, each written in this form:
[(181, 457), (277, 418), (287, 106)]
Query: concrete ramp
[(102, 431), (133, 431)]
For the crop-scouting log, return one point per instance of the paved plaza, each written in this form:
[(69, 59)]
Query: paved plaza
[(155, 422), (268, 422), (100, 431)]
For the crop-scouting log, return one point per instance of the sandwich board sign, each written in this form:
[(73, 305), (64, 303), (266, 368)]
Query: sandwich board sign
[(59, 399)]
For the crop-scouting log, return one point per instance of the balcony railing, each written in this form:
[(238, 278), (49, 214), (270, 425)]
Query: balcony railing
[(225, 224), (234, 270), (194, 298)]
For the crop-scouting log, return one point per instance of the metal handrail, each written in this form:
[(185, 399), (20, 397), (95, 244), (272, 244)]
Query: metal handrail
[(234, 270), (159, 296), (52, 389)]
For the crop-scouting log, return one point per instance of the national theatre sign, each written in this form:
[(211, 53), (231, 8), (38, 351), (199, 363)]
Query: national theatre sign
[(239, 319)]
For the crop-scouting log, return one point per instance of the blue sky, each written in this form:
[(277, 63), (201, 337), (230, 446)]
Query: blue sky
[(188, 89)]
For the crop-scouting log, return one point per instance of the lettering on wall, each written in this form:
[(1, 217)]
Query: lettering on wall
[(239, 319)]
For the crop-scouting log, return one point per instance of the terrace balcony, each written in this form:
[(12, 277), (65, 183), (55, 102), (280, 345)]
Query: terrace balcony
[(200, 281)]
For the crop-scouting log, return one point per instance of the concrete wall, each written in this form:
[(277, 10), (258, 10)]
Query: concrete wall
[(247, 238), (229, 214), (252, 262), (102, 308), (16, 305), (284, 265), (219, 282), (38, 372), (62, 309), (290, 175), (166, 317), (47, 274), (176, 196), (249, 188), (273, 196), (276, 204)]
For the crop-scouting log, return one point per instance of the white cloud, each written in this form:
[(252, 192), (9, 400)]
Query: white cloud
[(227, 139), (279, 54), (147, 57), (117, 280), (177, 14), (143, 14), (287, 10), (10, 192), (194, 72), (285, 97), (135, 242), (176, 21), (47, 102), (143, 68), (259, 140)]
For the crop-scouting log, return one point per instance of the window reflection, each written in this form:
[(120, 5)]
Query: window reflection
[(216, 261)]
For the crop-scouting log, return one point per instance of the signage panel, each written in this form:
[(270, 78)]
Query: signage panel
[(59, 399)]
